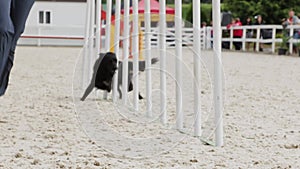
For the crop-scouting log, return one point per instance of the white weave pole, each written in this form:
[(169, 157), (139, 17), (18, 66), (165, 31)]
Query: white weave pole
[(148, 57), (178, 53), (98, 27), (218, 99), (135, 52), (125, 52), (162, 49), (107, 31), (108, 24), (92, 51), (197, 66), (86, 47), (116, 47)]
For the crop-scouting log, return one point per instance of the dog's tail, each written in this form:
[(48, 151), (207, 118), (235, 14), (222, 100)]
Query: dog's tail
[(142, 64)]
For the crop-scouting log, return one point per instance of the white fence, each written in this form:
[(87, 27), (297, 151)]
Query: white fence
[(53, 35), (187, 37), (206, 38), (274, 29), (73, 36)]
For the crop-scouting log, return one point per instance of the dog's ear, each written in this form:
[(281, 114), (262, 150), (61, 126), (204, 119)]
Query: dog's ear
[(111, 54)]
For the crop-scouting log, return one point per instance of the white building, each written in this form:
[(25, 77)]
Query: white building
[(55, 22)]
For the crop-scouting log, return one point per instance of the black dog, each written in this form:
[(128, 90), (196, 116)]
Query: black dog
[(142, 66), (104, 70)]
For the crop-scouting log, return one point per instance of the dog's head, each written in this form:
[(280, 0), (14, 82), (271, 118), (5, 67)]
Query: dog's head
[(110, 60), (105, 71)]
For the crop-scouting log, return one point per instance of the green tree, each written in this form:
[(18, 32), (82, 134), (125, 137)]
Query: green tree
[(272, 11), (206, 13)]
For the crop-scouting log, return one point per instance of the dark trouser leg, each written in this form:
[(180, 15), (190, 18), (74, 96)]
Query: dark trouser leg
[(19, 10), (237, 45), (6, 36)]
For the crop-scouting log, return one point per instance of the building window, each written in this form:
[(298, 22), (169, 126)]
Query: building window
[(48, 17), (44, 17), (41, 17)]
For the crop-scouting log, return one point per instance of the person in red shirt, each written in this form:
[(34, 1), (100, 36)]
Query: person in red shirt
[(237, 33)]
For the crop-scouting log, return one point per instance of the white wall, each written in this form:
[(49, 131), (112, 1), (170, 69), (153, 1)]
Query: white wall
[(62, 12), (67, 19)]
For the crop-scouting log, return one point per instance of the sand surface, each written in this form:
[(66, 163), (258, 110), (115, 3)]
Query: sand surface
[(39, 127)]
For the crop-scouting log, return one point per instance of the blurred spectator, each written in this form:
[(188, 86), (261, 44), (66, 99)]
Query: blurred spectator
[(293, 20), (211, 35), (237, 33), (249, 32), (259, 21), (203, 24)]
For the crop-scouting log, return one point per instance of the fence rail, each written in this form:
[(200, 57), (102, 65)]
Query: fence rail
[(257, 39), (71, 34), (187, 37)]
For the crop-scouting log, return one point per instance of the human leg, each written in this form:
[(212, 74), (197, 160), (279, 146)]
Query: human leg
[(237, 45), (18, 13), (6, 36)]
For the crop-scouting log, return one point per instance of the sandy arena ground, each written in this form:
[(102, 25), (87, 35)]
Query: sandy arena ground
[(39, 127)]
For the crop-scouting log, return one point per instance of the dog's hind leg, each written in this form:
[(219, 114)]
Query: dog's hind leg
[(120, 92), (140, 96), (130, 86), (88, 90)]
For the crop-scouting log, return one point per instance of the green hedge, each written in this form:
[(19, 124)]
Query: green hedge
[(185, 9), (187, 12), (206, 13)]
